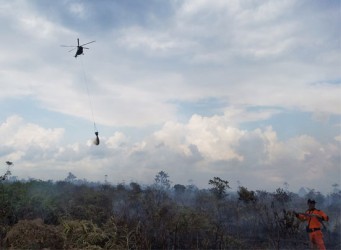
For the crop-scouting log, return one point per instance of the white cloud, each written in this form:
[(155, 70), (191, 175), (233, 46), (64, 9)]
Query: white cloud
[(77, 9), (214, 137), (137, 38), (201, 148), (338, 138), (26, 140), (117, 140), (18, 133), (227, 150)]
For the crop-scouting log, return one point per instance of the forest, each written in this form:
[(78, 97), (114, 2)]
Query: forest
[(77, 214)]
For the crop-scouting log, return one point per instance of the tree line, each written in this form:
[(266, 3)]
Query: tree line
[(73, 214)]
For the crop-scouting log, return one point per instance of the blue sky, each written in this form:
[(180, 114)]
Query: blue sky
[(245, 90)]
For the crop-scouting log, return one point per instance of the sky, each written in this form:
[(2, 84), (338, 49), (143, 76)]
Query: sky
[(245, 90)]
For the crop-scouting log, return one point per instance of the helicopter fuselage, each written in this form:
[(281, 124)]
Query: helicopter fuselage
[(79, 51)]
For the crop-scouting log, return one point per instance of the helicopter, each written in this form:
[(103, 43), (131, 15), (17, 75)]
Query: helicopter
[(78, 47)]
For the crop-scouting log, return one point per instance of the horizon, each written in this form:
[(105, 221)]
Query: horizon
[(335, 188)]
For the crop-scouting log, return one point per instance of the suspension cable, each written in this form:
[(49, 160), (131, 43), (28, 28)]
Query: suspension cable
[(89, 96)]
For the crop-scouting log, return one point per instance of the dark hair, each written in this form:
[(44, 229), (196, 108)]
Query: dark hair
[(311, 201)]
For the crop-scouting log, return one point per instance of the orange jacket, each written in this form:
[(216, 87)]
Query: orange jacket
[(314, 218)]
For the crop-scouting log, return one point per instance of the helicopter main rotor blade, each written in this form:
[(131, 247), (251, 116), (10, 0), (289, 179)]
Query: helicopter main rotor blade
[(88, 43), (67, 46), (85, 48), (78, 41), (72, 49)]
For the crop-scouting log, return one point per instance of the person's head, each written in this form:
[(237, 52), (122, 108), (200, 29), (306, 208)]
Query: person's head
[(311, 203)]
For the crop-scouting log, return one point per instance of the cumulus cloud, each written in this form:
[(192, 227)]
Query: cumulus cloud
[(27, 142), (200, 148), (19, 134), (257, 153)]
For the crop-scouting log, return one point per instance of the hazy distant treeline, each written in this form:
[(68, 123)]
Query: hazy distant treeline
[(71, 214)]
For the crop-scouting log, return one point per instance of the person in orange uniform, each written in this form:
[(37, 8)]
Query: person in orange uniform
[(315, 218)]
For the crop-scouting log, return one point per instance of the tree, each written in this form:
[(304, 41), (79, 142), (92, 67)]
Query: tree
[(282, 196), (8, 172), (135, 187), (179, 189), (219, 187), (162, 181), (246, 195), (71, 177)]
